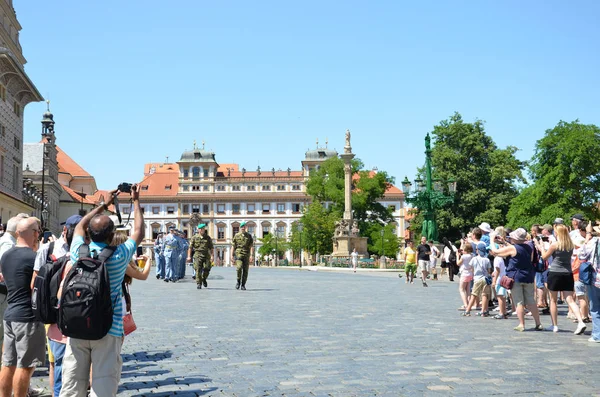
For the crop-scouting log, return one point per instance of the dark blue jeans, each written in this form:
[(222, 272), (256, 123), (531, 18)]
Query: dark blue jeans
[(58, 350)]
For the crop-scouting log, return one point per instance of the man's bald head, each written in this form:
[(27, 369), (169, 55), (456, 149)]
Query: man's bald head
[(101, 229), (28, 231)]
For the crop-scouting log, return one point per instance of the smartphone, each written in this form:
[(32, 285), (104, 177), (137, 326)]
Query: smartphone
[(47, 235), (139, 251)]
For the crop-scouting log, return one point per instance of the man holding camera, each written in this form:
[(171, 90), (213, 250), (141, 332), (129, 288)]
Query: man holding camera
[(103, 354)]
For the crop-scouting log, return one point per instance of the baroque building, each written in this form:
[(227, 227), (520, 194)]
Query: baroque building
[(16, 91), (223, 196)]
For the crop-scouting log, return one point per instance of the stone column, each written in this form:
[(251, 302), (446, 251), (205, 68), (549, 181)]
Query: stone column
[(347, 157)]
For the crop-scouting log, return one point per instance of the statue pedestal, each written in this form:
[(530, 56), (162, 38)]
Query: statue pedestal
[(343, 246)]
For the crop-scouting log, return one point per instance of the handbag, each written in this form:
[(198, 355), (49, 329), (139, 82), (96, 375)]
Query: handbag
[(128, 324), (488, 280), (507, 282)]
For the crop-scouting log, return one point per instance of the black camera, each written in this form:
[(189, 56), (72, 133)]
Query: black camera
[(125, 187)]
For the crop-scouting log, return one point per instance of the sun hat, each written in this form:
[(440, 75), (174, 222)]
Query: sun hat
[(486, 227), (519, 235)]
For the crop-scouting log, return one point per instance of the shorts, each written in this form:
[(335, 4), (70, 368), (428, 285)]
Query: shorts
[(523, 294), (560, 282), (481, 288), (24, 344), (541, 279), (432, 264), (423, 266), (500, 290), (410, 268), (466, 279), (580, 288)]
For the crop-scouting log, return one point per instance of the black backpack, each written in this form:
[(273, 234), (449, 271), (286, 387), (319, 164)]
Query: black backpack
[(44, 302), (86, 307)]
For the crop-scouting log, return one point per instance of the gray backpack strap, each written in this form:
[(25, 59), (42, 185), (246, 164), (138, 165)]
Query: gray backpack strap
[(84, 251), (106, 253)]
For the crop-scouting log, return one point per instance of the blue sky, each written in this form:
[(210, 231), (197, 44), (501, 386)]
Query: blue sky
[(260, 81)]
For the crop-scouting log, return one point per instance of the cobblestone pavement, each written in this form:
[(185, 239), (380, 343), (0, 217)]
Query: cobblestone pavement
[(306, 333)]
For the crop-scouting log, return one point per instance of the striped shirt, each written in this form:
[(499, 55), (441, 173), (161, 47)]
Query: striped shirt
[(116, 266)]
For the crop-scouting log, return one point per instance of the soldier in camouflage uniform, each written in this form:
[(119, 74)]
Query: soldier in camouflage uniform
[(202, 246), (243, 250)]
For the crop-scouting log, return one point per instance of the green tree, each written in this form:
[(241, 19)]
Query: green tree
[(486, 176), (565, 176), (319, 225), (391, 242), (270, 243)]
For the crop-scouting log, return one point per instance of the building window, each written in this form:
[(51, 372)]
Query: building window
[(295, 187), (266, 208), (2, 131), (196, 188), (186, 188), (186, 208), (205, 209), (168, 187), (280, 207), (236, 188), (1, 169), (170, 210), (144, 187), (251, 188), (155, 210), (280, 187), (186, 173), (265, 230), (16, 178), (205, 188), (143, 210), (266, 188), (17, 108), (220, 188), (251, 208), (392, 208), (16, 142), (221, 232), (206, 173), (126, 209), (235, 208), (251, 230), (196, 208), (281, 231), (3, 92), (235, 229), (295, 207), (221, 208), (196, 172)]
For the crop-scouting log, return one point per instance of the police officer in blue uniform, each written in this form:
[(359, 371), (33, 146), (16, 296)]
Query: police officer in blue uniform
[(171, 254), (159, 258), (183, 255)]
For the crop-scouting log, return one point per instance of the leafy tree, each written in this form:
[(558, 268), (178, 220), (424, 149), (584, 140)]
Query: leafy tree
[(486, 176), (271, 243), (319, 225), (565, 176), (391, 242)]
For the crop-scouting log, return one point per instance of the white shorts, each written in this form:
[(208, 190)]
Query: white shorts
[(580, 289), (423, 266)]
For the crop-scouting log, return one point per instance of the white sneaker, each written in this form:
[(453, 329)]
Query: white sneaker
[(593, 340), (580, 328), (553, 328), (32, 392)]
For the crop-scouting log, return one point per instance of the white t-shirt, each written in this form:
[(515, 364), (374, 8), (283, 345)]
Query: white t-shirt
[(434, 255), (481, 267), (354, 256), (466, 269), (60, 249), (501, 266)]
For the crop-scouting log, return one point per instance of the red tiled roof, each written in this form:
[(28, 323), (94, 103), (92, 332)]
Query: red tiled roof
[(161, 167), (67, 165), (77, 196), (156, 184), (391, 189)]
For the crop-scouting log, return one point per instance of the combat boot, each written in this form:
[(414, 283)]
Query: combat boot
[(243, 288), (237, 286), (198, 286), (205, 283)]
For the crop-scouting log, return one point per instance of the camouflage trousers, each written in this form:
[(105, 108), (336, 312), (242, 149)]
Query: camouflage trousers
[(242, 265), (202, 266)]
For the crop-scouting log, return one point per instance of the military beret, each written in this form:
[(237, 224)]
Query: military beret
[(202, 226), (242, 224)]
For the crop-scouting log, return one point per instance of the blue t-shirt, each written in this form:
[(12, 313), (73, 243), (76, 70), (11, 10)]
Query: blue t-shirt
[(116, 266)]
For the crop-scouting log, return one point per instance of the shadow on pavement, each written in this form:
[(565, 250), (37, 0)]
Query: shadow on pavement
[(153, 387), (146, 356)]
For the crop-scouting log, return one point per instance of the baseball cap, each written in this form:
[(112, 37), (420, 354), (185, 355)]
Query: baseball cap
[(72, 220), (578, 217), (559, 221), (481, 249)]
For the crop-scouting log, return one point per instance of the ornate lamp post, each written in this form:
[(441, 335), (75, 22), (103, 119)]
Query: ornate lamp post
[(429, 195), (47, 130), (300, 228)]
